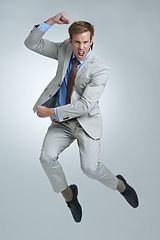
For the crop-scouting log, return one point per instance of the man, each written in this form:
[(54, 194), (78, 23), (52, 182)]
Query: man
[(72, 101)]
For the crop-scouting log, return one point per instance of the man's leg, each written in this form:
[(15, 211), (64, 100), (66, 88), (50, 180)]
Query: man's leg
[(89, 157), (58, 138)]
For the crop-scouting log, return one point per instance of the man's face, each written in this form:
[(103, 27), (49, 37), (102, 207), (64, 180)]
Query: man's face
[(81, 44)]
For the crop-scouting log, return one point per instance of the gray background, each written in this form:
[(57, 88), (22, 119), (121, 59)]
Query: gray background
[(127, 36)]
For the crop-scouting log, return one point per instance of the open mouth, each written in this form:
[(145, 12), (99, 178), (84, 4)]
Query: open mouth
[(80, 54)]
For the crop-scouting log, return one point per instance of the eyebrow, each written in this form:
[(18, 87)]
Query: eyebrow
[(79, 41)]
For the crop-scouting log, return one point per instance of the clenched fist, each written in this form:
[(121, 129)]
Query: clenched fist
[(43, 112), (60, 18)]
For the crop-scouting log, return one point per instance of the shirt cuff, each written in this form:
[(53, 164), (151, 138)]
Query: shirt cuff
[(43, 27), (55, 110)]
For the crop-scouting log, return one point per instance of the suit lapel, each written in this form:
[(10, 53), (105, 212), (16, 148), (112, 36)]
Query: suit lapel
[(86, 64), (66, 60)]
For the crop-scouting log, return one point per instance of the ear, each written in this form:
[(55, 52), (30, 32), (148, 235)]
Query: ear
[(91, 42), (70, 41)]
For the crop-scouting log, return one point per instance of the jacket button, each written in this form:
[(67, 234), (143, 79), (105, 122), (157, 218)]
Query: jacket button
[(50, 95), (59, 85)]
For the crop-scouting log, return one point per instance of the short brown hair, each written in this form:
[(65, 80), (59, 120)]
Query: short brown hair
[(81, 27)]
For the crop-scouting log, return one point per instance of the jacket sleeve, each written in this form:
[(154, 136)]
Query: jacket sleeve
[(36, 43), (90, 97)]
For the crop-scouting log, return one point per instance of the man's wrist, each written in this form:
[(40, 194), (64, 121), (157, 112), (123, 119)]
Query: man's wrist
[(52, 113), (50, 22)]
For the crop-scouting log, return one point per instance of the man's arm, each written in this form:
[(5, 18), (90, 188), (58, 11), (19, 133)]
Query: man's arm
[(89, 98), (87, 101), (36, 43)]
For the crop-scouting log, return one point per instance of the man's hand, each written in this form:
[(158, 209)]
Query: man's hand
[(43, 112), (60, 18)]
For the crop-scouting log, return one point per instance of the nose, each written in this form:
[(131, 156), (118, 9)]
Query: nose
[(80, 46)]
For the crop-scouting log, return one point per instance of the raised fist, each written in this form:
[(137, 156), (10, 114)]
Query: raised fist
[(60, 18)]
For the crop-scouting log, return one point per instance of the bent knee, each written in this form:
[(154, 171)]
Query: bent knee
[(89, 170), (46, 156)]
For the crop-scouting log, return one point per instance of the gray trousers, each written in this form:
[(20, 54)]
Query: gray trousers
[(59, 136)]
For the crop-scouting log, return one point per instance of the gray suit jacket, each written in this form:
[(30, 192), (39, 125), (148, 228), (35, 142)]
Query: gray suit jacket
[(90, 81)]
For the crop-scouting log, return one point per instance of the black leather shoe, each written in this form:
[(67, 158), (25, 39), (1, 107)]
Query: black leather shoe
[(74, 205), (129, 194)]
